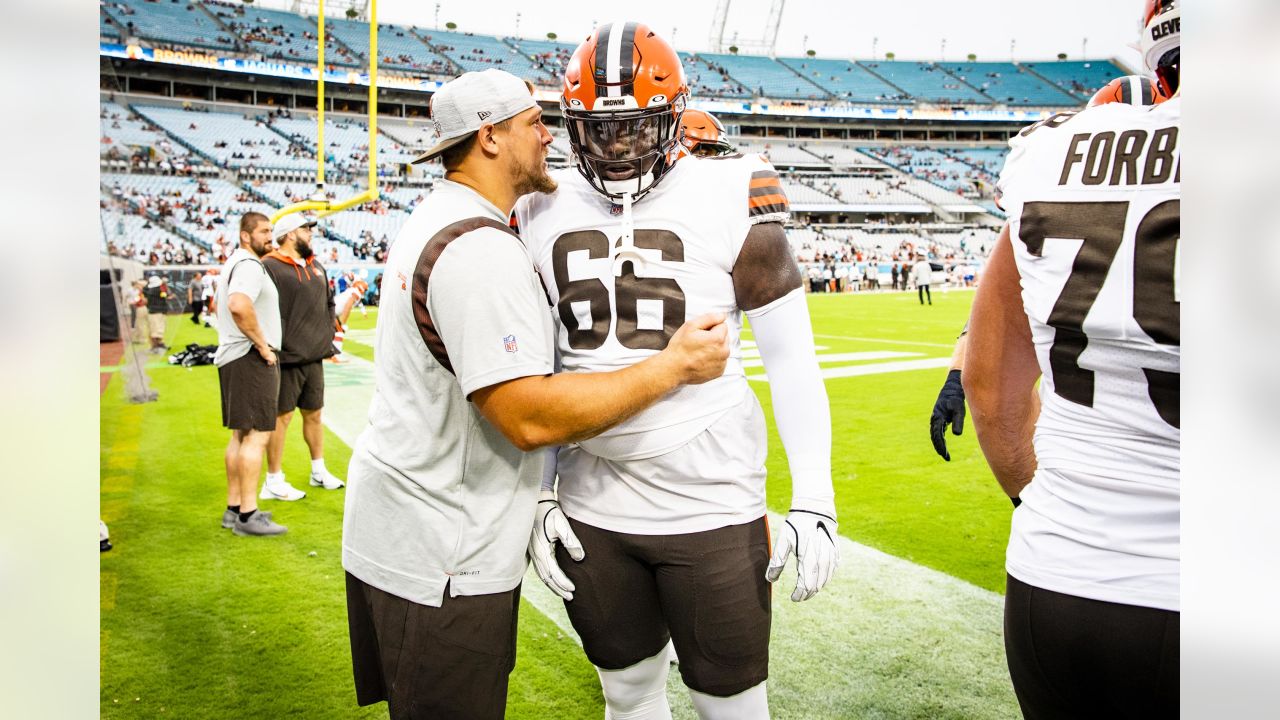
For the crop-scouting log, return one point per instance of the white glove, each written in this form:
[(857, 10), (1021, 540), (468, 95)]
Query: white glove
[(549, 527), (811, 536)]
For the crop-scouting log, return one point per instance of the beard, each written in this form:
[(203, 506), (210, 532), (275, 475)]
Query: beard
[(534, 178), (304, 249), (260, 249)]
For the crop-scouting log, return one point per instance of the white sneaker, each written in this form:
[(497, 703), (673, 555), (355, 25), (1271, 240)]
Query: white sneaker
[(325, 480), (280, 491)]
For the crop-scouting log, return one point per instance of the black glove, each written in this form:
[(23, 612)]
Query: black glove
[(949, 408)]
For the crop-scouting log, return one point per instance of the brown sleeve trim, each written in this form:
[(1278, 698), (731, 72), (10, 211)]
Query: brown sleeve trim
[(431, 252)]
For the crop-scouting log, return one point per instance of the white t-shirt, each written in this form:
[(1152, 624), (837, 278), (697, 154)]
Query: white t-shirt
[(689, 231), (246, 275), (436, 494), (1094, 208), (922, 273)]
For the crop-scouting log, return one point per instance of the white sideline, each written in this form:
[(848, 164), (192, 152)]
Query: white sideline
[(886, 638)]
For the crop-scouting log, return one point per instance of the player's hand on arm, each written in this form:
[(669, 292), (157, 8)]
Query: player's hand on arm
[(541, 410), (948, 409), (767, 283), (1000, 372)]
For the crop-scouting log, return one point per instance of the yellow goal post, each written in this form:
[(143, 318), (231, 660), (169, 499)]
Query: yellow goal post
[(319, 203)]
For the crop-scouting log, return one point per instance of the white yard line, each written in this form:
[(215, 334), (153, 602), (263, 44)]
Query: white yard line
[(871, 368), (886, 638), (754, 362)]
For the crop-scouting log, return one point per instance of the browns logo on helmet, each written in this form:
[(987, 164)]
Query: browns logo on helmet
[(623, 94), (1130, 89), (1161, 42), (703, 134)]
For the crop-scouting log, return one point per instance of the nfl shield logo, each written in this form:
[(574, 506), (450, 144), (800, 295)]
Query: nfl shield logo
[(509, 342), (615, 209)]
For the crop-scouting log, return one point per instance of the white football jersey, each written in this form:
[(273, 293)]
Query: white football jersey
[(618, 305), (1094, 204)]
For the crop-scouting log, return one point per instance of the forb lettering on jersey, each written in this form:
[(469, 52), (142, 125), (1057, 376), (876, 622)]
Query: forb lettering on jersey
[(1129, 157)]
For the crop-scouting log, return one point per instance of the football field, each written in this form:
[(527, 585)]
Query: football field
[(196, 622)]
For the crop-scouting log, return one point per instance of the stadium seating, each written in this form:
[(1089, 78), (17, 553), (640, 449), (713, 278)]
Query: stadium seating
[(220, 136), (840, 155), (204, 210), (925, 81), (846, 80), (170, 22), (280, 35), (765, 77), (548, 55), (398, 47), (123, 130), (106, 30), (137, 236), (801, 192), (709, 82), (1009, 84), (1079, 78), (987, 162), (347, 142), (929, 164), (786, 152), (481, 52)]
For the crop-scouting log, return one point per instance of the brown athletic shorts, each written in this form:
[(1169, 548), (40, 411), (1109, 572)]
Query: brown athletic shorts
[(447, 662), (704, 591), (250, 389), (301, 386)]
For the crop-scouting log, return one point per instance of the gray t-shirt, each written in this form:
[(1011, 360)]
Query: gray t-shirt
[(197, 289), (245, 274), (436, 495)]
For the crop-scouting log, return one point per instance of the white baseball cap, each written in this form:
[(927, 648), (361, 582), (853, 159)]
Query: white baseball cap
[(471, 100), (289, 223)]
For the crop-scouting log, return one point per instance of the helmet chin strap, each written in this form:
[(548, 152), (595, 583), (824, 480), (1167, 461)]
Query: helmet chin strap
[(625, 249)]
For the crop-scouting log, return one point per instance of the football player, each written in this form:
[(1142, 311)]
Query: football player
[(1081, 293), (658, 528), (344, 303), (948, 409), (703, 134)]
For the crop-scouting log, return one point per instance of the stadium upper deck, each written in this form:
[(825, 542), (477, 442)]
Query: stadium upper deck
[(243, 31)]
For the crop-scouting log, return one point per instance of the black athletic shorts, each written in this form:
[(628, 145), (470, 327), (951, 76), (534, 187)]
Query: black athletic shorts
[(301, 386), (250, 389), (704, 591), (447, 662), (1072, 657)]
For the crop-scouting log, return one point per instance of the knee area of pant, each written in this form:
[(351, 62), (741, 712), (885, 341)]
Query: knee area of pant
[(637, 687)]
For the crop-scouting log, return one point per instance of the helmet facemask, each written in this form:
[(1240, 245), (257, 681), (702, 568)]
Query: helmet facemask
[(627, 151)]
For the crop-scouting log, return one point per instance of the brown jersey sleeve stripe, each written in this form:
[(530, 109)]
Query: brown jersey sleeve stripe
[(431, 253), (765, 190), (770, 199)]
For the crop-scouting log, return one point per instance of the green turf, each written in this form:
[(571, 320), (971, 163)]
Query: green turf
[(893, 492), (198, 623)]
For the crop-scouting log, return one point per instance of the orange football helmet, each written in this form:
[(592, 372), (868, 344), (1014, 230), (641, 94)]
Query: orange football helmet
[(623, 94), (703, 134), (1130, 89), (1161, 42)]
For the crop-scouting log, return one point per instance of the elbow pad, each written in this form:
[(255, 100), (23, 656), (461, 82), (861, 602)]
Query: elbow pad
[(800, 409)]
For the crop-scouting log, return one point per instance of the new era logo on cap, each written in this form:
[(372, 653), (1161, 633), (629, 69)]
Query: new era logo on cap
[(484, 115)]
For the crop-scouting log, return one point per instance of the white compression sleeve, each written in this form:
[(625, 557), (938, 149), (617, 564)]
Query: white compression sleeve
[(750, 704), (800, 409), (638, 692)]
